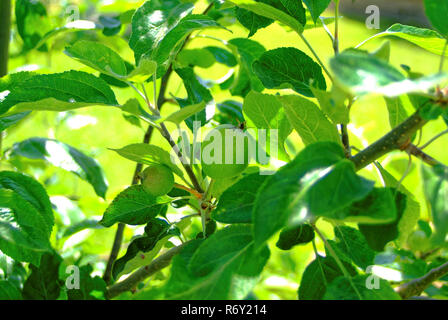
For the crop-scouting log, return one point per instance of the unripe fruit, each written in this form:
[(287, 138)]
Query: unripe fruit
[(157, 180), (418, 241), (225, 152)]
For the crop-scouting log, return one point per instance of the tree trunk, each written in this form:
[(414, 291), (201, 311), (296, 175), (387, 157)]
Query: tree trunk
[(5, 28)]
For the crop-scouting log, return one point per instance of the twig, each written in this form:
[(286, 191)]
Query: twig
[(418, 153), (310, 47), (107, 277), (336, 27), (5, 29), (143, 273), (434, 139), (417, 286), (161, 99), (397, 139)]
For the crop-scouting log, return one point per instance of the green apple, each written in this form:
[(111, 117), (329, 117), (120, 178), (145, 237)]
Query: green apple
[(225, 152), (157, 179)]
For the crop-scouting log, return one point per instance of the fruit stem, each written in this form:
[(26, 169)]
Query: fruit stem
[(192, 191)]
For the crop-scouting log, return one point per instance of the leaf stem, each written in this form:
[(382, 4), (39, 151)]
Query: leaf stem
[(338, 261), (336, 27), (434, 139), (442, 58), (315, 55)]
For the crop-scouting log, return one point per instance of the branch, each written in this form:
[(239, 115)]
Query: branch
[(397, 139), (418, 153), (107, 277), (143, 273), (416, 286), (5, 27), (161, 99)]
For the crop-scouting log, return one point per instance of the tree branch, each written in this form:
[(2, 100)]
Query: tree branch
[(5, 27), (161, 99), (397, 139), (418, 153), (143, 273), (417, 286)]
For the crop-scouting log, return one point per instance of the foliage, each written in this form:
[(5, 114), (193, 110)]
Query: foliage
[(304, 182)]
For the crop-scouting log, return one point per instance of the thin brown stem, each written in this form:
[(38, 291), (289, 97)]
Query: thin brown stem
[(161, 99), (418, 153)]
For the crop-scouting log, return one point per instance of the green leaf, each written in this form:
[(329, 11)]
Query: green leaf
[(378, 235), (9, 121), (8, 291), (63, 156), (397, 112), (333, 108), (338, 188), (197, 93), (271, 12), (152, 22), (89, 287), (148, 154), (98, 57), (230, 112), (427, 39), (361, 73), (436, 191), (219, 249), (111, 25), (280, 198), (185, 113), (135, 110), (32, 22), (248, 52), (378, 207), (199, 57), (32, 192), (232, 275), (353, 244), (251, 21), (411, 213), (318, 275), (437, 11), (43, 282), (316, 7), (236, 203), (80, 226), (290, 237), (23, 231), (133, 206), (289, 68), (266, 112), (171, 43), (144, 249), (308, 120), (72, 26), (254, 22), (58, 92), (223, 56), (342, 289)]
